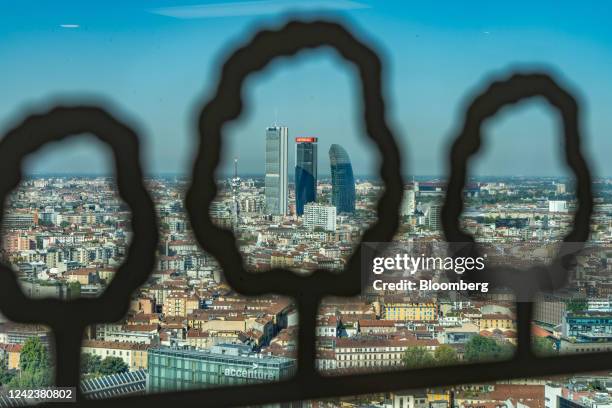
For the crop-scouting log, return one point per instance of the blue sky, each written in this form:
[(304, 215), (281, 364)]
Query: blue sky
[(155, 60)]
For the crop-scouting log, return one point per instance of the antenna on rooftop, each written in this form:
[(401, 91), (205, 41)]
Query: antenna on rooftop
[(275, 117)]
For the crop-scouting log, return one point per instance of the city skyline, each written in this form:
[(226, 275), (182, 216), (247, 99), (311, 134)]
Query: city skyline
[(297, 188), (325, 176), (291, 161), (65, 237)]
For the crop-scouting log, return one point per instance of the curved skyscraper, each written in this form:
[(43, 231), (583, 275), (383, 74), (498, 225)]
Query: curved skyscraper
[(305, 172), (343, 181)]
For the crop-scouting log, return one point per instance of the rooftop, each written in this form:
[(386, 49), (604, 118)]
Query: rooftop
[(238, 353)]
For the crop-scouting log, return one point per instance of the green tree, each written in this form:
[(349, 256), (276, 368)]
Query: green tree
[(31, 379), (64, 224), (34, 366), (34, 355), (445, 355), (90, 363), (5, 375), (480, 348), (576, 305), (489, 220), (113, 365), (543, 346), (417, 357), (74, 290), (598, 386)]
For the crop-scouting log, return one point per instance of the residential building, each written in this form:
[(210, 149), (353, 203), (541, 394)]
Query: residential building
[(320, 216), (409, 310), (132, 354)]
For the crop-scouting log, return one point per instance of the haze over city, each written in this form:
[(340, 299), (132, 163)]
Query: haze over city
[(297, 187)]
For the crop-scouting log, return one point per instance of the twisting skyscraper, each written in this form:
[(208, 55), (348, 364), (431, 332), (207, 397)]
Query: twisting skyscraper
[(276, 170), (305, 172), (343, 181)]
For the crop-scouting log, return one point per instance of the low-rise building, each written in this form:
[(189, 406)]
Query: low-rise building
[(132, 354), (10, 355), (404, 310), (226, 364), (371, 352)]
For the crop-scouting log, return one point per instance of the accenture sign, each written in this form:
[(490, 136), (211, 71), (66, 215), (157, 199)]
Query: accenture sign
[(248, 373)]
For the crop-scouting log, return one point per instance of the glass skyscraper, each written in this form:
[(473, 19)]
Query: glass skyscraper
[(305, 172), (343, 181), (276, 170)]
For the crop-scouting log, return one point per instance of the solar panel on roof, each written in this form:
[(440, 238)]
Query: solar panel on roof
[(115, 385)]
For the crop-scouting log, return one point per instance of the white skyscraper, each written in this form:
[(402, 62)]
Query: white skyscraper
[(557, 206), (408, 203), (277, 139), (432, 216)]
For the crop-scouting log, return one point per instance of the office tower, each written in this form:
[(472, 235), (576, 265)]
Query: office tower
[(305, 172), (408, 203), (320, 216), (560, 188), (251, 204), (432, 216), (276, 170), (343, 181)]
